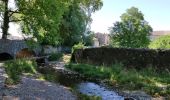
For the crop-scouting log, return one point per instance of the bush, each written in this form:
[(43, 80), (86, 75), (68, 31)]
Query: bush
[(55, 56), (78, 46), (162, 42), (15, 68)]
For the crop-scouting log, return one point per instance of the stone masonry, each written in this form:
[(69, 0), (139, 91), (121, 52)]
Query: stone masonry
[(12, 47)]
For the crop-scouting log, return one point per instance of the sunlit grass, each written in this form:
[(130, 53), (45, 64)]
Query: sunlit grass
[(156, 83), (14, 68)]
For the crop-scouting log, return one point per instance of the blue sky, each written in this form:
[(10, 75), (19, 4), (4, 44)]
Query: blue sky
[(156, 12)]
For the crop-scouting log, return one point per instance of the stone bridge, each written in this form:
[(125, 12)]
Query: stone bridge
[(14, 49)]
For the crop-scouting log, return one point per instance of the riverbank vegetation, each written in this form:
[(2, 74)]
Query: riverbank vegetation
[(150, 80), (15, 68)]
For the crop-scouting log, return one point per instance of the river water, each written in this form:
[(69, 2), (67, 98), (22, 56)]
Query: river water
[(84, 87), (93, 89)]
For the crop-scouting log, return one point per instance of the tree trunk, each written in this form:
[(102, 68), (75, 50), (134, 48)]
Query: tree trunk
[(5, 26)]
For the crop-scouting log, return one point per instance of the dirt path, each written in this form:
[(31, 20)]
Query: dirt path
[(32, 89), (2, 79)]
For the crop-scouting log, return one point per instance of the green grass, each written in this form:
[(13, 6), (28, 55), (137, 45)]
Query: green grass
[(14, 68), (156, 83)]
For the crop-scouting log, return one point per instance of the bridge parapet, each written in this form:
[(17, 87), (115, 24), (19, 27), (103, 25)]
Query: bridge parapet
[(12, 46)]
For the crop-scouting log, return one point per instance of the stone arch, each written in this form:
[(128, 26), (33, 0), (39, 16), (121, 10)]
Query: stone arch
[(25, 53), (5, 56)]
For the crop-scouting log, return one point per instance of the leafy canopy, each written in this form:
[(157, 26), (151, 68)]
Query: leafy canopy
[(75, 25), (51, 22), (132, 31), (38, 18), (41, 19)]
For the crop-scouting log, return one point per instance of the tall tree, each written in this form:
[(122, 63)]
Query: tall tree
[(43, 18), (76, 21), (132, 31), (50, 21), (39, 18), (6, 16)]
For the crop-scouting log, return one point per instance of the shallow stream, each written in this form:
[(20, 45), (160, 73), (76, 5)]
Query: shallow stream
[(93, 89), (84, 87)]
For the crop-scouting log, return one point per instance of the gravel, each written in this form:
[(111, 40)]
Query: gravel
[(33, 89)]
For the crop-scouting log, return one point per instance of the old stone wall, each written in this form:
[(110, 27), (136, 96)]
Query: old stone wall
[(12, 47), (138, 58)]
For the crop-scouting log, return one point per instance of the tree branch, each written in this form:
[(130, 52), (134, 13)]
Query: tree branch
[(12, 12), (17, 20), (1, 16)]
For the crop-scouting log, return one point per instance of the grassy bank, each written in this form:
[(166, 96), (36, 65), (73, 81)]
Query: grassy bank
[(15, 68), (156, 83)]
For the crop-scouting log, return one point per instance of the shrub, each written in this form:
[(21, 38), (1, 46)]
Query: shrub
[(14, 68), (162, 42), (78, 46), (55, 56)]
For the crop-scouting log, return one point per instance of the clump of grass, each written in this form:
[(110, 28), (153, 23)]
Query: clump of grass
[(150, 80), (90, 71), (14, 68), (55, 56)]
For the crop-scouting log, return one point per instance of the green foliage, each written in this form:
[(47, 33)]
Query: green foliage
[(148, 79), (132, 31), (74, 25), (15, 68), (162, 42), (88, 39), (38, 18), (55, 56), (78, 46), (32, 44), (42, 18), (52, 22)]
